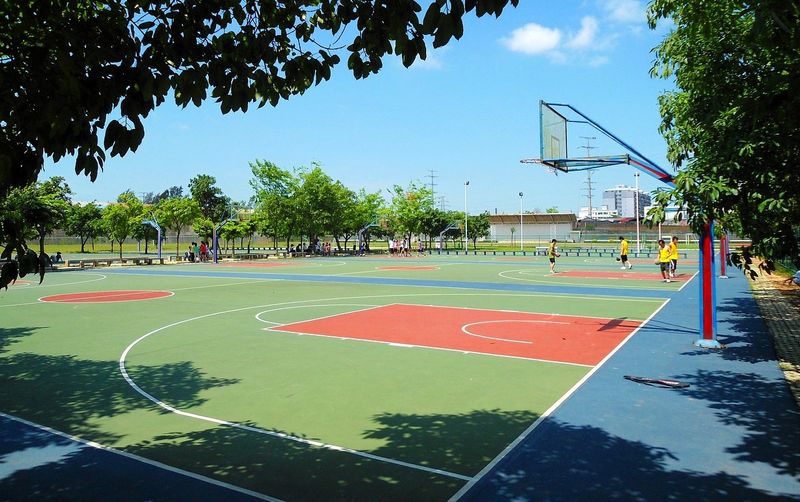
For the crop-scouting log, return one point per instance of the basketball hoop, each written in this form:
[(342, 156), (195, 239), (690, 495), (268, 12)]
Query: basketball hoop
[(540, 162)]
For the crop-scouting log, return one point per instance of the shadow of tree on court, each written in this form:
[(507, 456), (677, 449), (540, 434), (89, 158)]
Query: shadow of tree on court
[(562, 462), (461, 443), (295, 471), (9, 336), (67, 393), (763, 408)]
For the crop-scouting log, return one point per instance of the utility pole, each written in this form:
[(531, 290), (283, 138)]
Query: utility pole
[(588, 147), (442, 202), (432, 175)]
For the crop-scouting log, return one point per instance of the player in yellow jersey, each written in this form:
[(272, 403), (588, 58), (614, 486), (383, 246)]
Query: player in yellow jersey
[(623, 253), (552, 253), (663, 260), (673, 255)]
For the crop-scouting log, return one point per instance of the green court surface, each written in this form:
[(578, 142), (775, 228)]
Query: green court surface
[(205, 380)]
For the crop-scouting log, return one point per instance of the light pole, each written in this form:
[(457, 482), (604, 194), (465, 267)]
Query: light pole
[(636, 206), (521, 248), (466, 217)]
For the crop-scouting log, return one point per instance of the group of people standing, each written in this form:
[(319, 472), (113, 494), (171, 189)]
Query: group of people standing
[(398, 247), (667, 257), (198, 252)]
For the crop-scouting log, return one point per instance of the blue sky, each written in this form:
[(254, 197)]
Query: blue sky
[(470, 112)]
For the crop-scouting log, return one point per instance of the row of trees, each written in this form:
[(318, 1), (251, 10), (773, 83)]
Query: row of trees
[(301, 203)]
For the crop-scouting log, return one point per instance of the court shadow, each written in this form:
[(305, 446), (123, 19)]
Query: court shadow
[(585, 463), (291, 470), (9, 336), (762, 408), (69, 393), (742, 330), (613, 323), (459, 443)]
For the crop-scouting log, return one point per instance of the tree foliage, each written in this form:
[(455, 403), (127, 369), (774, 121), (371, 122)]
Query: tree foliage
[(732, 126), (176, 213), (83, 221), (80, 77), (213, 203)]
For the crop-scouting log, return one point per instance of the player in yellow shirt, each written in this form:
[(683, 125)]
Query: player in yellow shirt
[(663, 260), (673, 255), (623, 253), (552, 253)]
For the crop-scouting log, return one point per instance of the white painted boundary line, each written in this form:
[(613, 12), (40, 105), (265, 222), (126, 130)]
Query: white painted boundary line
[(21, 304), (79, 299), (690, 280), (165, 406), (37, 286), (495, 321), (549, 411), (279, 324), (143, 460), (549, 281), (257, 430), (654, 300)]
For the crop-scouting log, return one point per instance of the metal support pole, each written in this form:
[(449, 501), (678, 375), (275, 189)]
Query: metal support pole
[(708, 291), (521, 245), (466, 217), (723, 255), (636, 205)]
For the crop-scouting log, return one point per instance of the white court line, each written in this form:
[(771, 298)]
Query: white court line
[(521, 311), (468, 332), (688, 281), (37, 286), (366, 307), (549, 281), (21, 304), (220, 285), (634, 288), (249, 428), (549, 411), (143, 460), (117, 294), (165, 406)]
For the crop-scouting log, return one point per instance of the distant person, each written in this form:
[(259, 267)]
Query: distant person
[(196, 251), (552, 253), (623, 253), (673, 256), (58, 258), (795, 279), (663, 260)]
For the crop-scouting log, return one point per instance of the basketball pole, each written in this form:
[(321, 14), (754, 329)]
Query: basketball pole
[(708, 291), (558, 159), (723, 255), (466, 217), (521, 245)]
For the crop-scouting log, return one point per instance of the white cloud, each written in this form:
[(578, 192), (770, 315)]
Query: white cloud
[(431, 62), (586, 37), (623, 11), (533, 39)]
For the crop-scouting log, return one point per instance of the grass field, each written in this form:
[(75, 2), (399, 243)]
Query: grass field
[(340, 378)]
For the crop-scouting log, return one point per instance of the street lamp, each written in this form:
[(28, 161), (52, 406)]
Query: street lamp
[(521, 248), (636, 206), (466, 231)]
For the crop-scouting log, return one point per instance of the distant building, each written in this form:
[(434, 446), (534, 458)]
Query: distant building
[(622, 199), (603, 213), (535, 227)]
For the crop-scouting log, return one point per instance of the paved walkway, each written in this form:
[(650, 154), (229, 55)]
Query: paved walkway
[(780, 308)]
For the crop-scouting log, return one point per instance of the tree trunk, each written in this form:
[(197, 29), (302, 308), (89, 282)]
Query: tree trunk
[(178, 243), (120, 248), (83, 242)]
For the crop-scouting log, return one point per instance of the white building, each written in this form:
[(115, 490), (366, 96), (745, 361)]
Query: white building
[(622, 199), (603, 213), (535, 227)]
